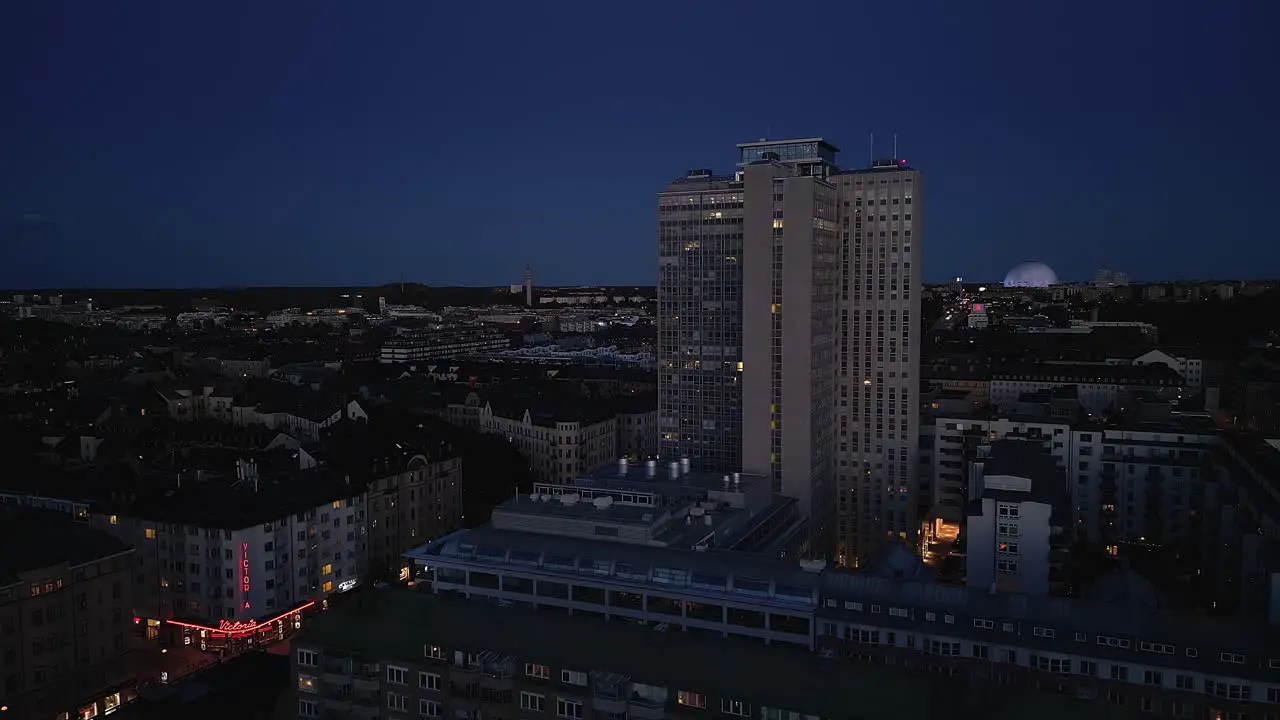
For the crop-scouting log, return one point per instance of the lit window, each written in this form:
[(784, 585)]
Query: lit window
[(327, 569), (150, 533), (306, 684), (337, 504), (328, 587), (691, 699), (113, 519)]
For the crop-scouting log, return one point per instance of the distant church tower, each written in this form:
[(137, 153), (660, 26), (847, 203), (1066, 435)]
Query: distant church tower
[(528, 286)]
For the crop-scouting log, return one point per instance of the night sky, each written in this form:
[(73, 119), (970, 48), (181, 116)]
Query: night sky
[(311, 142)]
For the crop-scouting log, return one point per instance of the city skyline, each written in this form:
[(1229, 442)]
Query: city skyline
[(146, 154)]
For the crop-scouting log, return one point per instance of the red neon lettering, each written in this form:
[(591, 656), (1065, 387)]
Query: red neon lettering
[(267, 623), (244, 571), (236, 626)]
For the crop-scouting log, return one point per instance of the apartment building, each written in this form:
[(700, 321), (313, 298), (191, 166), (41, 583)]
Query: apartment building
[(412, 481), (1102, 389), (1125, 482), (243, 553), (302, 413), (1240, 505), (418, 345), (878, 415), (65, 617), (1125, 652), (562, 437), (638, 426), (1190, 369), (1017, 508), (395, 654)]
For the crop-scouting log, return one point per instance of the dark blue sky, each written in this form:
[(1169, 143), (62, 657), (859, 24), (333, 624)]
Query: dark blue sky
[(174, 143)]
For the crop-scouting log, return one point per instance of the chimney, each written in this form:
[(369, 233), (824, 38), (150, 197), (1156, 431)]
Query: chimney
[(737, 480), (726, 482), (673, 470), (684, 466), (706, 519), (622, 467), (651, 468)]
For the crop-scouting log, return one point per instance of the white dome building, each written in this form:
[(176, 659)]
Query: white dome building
[(1031, 274)]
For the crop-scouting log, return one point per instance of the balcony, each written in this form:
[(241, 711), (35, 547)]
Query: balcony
[(465, 691), (338, 706), (609, 692), (497, 680), (336, 671), (608, 705), (467, 667), (646, 709), (364, 683)]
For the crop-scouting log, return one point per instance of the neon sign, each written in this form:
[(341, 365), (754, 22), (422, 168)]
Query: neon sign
[(244, 572), (242, 629)]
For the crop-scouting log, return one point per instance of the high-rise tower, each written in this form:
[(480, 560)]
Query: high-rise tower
[(700, 221), (878, 413), (788, 299), (528, 286), (788, 325), (746, 320)]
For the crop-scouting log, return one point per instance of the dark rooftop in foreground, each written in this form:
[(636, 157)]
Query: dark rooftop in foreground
[(32, 539), (391, 624), (248, 687)]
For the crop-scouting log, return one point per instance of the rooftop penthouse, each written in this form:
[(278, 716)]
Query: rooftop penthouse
[(669, 506)]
